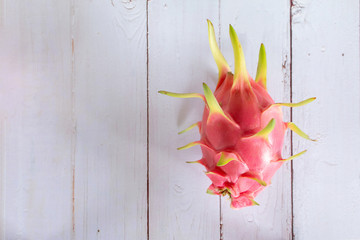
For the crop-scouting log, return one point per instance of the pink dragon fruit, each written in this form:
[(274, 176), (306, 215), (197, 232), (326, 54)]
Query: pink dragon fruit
[(242, 130)]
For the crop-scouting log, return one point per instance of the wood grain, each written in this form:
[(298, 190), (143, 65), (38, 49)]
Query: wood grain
[(110, 107), (326, 65), (179, 61), (259, 22), (79, 78), (35, 116)]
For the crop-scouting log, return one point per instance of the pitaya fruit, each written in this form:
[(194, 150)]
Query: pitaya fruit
[(242, 130)]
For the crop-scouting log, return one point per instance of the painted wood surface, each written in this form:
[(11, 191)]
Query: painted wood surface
[(179, 61), (36, 120), (88, 146), (326, 65), (109, 78)]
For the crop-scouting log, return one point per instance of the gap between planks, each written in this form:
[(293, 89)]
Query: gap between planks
[(221, 230), (147, 126), (291, 119)]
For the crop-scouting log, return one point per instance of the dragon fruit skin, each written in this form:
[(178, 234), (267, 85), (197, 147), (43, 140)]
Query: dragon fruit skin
[(242, 129)]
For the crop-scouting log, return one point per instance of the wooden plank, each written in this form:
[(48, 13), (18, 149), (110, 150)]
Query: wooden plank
[(110, 88), (326, 65), (179, 60), (35, 116), (259, 22)]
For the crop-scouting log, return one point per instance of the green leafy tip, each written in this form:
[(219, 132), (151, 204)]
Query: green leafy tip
[(189, 128), (221, 63), (182, 95), (254, 202), (261, 68), (198, 161), (223, 160), (212, 103), (261, 182), (299, 104), (189, 145), (208, 191), (240, 73), (292, 157), (264, 133), (298, 131)]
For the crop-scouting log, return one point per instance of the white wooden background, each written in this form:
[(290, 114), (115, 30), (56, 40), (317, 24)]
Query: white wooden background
[(88, 146)]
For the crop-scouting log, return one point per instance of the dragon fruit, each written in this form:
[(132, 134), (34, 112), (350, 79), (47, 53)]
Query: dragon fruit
[(242, 129)]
